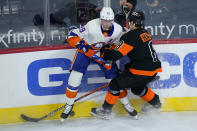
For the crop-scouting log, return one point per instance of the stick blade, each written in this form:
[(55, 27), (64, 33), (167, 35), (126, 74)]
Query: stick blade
[(27, 118)]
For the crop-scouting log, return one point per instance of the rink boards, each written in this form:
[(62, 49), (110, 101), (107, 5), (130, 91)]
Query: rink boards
[(33, 82)]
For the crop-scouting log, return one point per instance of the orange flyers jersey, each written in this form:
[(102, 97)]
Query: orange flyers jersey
[(137, 45)]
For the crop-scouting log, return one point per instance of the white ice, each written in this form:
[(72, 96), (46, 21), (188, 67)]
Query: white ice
[(154, 121)]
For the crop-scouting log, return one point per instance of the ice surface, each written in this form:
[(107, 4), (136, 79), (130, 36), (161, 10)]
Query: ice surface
[(154, 121)]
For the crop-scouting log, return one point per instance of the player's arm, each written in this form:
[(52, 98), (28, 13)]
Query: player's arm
[(75, 36), (121, 49), (75, 39)]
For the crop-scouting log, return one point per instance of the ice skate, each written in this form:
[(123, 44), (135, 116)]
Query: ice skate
[(101, 113), (147, 107), (129, 109), (66, 113)]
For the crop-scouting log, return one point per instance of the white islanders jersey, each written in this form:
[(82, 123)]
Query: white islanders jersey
[(94, 34)]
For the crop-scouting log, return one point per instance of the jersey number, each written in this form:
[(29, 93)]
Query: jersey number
[(82, 29)]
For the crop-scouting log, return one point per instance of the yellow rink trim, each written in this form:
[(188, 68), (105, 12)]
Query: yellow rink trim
[(12, 115), (180, 104)]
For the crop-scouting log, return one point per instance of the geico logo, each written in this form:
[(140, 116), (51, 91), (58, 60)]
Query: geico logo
[(50, 77), (38, 85), (175, 68), (187, 66), (190, 69)]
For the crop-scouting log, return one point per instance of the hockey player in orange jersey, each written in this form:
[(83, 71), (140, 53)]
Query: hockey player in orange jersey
[(142, 68)]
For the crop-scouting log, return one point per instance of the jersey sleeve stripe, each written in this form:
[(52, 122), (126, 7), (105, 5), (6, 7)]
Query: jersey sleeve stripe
[(145, 73), (125, 48)]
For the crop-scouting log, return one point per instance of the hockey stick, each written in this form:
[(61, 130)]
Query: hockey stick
[(27, 118)]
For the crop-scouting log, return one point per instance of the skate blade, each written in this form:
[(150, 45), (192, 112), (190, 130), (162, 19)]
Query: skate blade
[(150, 110), (100, 117), (62, 120), (135, 117)]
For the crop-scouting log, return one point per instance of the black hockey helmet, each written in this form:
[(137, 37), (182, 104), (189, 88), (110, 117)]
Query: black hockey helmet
[(137, 17)]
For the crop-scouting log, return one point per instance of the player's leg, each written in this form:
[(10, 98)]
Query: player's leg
[(78, 67), (111, 98), (146, 93), (125, 81), (111, 95), (119, 83), (126, 104)]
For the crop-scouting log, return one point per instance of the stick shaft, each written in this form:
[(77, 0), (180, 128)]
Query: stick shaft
[(60, 108)]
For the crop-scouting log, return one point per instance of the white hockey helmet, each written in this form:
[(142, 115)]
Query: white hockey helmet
[(107, 13)]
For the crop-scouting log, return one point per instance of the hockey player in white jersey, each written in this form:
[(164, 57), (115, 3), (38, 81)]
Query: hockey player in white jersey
[(88, 40)]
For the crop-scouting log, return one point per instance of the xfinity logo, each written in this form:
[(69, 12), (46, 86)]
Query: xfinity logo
[(12, 37)]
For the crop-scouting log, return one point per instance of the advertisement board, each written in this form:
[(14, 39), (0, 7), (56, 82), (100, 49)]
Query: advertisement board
[(31, 80)]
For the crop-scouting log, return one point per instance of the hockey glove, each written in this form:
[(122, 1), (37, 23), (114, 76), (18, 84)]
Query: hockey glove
[(106, 64), (87, 49), (108, 47), (98, 59)]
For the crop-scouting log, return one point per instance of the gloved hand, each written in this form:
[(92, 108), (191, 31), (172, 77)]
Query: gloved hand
[(98, 59), (86, 48), (107, 47), (106, 64)]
